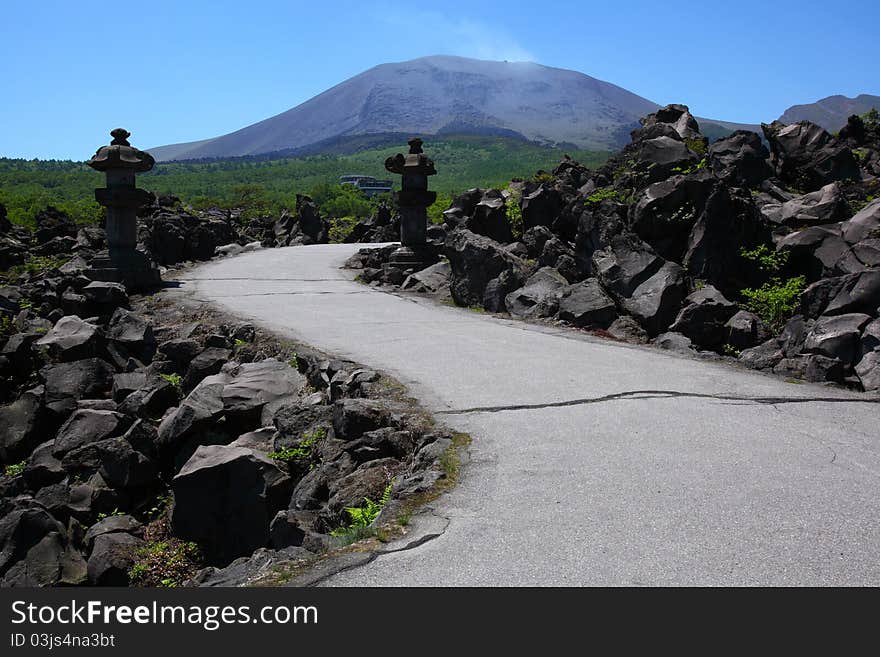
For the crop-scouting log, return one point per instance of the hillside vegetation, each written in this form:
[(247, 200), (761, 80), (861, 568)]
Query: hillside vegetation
[(27, 186)]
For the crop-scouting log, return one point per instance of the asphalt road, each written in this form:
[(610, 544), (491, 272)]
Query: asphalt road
[(662, 470)]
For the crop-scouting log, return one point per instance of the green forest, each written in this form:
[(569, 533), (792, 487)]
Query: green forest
[(463, 162)]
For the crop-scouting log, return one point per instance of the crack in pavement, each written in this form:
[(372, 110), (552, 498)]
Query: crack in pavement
[(375, 554), (658, 394), (267, 280), (281, 294)]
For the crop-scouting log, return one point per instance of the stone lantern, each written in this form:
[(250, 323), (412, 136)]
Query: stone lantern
[(122, 262), (413, 200)]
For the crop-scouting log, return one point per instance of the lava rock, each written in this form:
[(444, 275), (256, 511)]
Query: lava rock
[(586, 305), (740, 159), (538, 297), (704, 316), (476, 261), (112, 557), (87, 426), (90, 378), (72, 339), (20, 427), (745, 330), (837, 337)]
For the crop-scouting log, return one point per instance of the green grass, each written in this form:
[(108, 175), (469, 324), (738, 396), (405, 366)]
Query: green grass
[(302, 452), (14, 469)]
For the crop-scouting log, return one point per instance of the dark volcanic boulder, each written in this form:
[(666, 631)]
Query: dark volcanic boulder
[(220, 501), (537, 298), (20, 426), (540, 206), (868, 370), (104, 294), (207, 363), (665, 212), (90, 378), (477, 261), (729, 223), (490, 217), (72, 339), (88, 426), (740, 159), (112, 557), (643, 284), (306, 226), (745, 330), (824, 206), (837, 337), (354, 417), (429, 280), (661, 156), (807, 157), (131, 331), (261, 388), (586, 305), (120, 465), (704, 317), (35, 550), (201, 407)]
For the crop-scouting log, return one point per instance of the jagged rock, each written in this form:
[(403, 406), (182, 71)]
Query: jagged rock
[(490, 217), (824, 206), (263, 563), (207, 363), (745, 330), (201, 407), (132, 332), (476, 261), (298, 418), (180, 350), (868, 370), (627, 329), (837, 337), (110, 525), (704, 316), (740, 159), (107, 294), (72, 339), (765, 356), (807, 156), (728, 224), (462, 207), (18, 353), (647, 287), (674, 120), (661, 156), (120, 465), (126, 383), (112, 557), (42, 468), (534, 240), (261, 388), (857, 293), (676, 342), (87, 426), (818, 368), (354, 417), (666, 211), (90, 378), (369, 480), (306, 226), (537, 298), (540, 206), (20, 429), (871, 337), (429, 280), (150, 401), (220, 501), (35, 550), (586, 305)]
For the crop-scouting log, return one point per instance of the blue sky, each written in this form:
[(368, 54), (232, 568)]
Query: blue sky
[(185, 70)]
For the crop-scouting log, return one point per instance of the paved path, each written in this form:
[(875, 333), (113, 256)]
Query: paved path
[(660, 470)]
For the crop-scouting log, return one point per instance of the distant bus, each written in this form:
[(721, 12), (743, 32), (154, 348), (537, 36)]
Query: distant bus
[(367, 184)]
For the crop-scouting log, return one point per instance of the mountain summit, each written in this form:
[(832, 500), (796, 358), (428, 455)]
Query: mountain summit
[(444, 94)]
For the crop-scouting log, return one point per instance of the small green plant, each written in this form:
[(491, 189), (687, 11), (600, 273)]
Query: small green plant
[(698, 146), (114, 512), (302, 452), (776, 300), (160, 506), (14, 469), (602, 194), (769, 260), (730, 350), (514, 213), (294, 361), (362, 517), (174, 379), (691, 169), (240, 343), (167, 563), (7, 325), (544, 177)]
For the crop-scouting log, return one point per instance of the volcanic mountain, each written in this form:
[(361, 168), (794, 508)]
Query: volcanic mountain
[(444, 94)]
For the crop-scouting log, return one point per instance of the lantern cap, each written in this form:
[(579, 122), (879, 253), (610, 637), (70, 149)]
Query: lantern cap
[(121, 155)]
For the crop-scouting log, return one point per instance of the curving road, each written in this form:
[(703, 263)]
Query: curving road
[(619, 465)]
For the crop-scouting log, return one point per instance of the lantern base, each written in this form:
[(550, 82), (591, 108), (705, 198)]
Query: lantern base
[(130, 267), (415, 258)]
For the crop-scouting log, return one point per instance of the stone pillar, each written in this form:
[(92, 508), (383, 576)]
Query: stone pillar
[(413, 200), (122, 262)]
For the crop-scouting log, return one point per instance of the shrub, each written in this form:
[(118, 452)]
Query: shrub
[(698, 146), (340, 228), (14, 469), (602, 194), (769, 260), (775, 301), (514, 213), (167, 563)]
